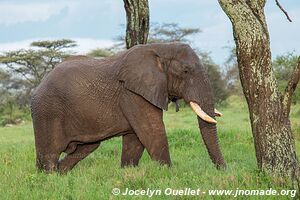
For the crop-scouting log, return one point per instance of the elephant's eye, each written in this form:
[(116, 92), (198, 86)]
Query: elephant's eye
[(186, 68)]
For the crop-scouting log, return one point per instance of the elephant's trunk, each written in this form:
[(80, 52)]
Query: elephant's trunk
[(210, 138), (199, 91)]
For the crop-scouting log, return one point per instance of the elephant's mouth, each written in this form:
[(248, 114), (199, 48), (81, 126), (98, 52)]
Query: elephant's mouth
[(175, 99)]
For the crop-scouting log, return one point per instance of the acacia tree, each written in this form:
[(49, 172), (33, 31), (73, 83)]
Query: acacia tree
[(34, 64), (269, 109), (31, 65), (137, 13), (170, 32)]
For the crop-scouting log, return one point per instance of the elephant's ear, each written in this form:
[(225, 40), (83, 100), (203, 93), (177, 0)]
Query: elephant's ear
[(143, 74)]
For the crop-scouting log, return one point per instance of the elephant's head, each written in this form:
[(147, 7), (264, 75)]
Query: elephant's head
[(163, 72)]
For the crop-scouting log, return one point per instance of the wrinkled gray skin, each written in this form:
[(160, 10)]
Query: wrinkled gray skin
[(84, 101)]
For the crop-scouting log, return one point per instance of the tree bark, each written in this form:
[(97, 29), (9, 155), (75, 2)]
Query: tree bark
[(137, 15), (269, 110)]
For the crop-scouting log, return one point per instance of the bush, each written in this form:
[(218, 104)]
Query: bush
[(284, 66), (218, 83), (11, 113)]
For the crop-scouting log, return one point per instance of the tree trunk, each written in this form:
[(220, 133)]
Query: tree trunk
[(137, 12), (269, 110)]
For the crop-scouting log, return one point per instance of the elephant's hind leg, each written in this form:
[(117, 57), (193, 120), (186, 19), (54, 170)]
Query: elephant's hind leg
[(132, 150), (70, 160)]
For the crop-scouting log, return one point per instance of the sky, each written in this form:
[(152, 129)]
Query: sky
[(96, 24)]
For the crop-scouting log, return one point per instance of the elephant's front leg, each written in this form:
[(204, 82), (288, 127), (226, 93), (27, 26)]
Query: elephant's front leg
[(132, 150), (147, 122)]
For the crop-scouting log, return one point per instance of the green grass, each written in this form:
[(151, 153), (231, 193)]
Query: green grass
[(98, 174)]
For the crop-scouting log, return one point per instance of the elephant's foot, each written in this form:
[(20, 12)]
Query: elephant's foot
[(221, 165), (132, 150), (159, 150), (47, 162)]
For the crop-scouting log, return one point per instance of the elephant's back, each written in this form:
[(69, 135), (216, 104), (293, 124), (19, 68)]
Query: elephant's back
[(75, 79), (80, 71)]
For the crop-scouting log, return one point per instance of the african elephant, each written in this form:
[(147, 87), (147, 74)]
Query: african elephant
[(85, 101)]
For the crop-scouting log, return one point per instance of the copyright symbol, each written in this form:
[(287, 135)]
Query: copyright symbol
[(115, 191)]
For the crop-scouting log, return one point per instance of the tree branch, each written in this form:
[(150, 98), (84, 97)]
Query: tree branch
[(290, 88), (282, 9)]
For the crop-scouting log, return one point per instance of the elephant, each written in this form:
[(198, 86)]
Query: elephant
[(84, 101)]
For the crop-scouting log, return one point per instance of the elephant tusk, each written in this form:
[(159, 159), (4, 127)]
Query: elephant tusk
[(197, 109), (218, 114)]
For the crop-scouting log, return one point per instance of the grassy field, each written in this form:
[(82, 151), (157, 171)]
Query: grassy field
[(97, 175)]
